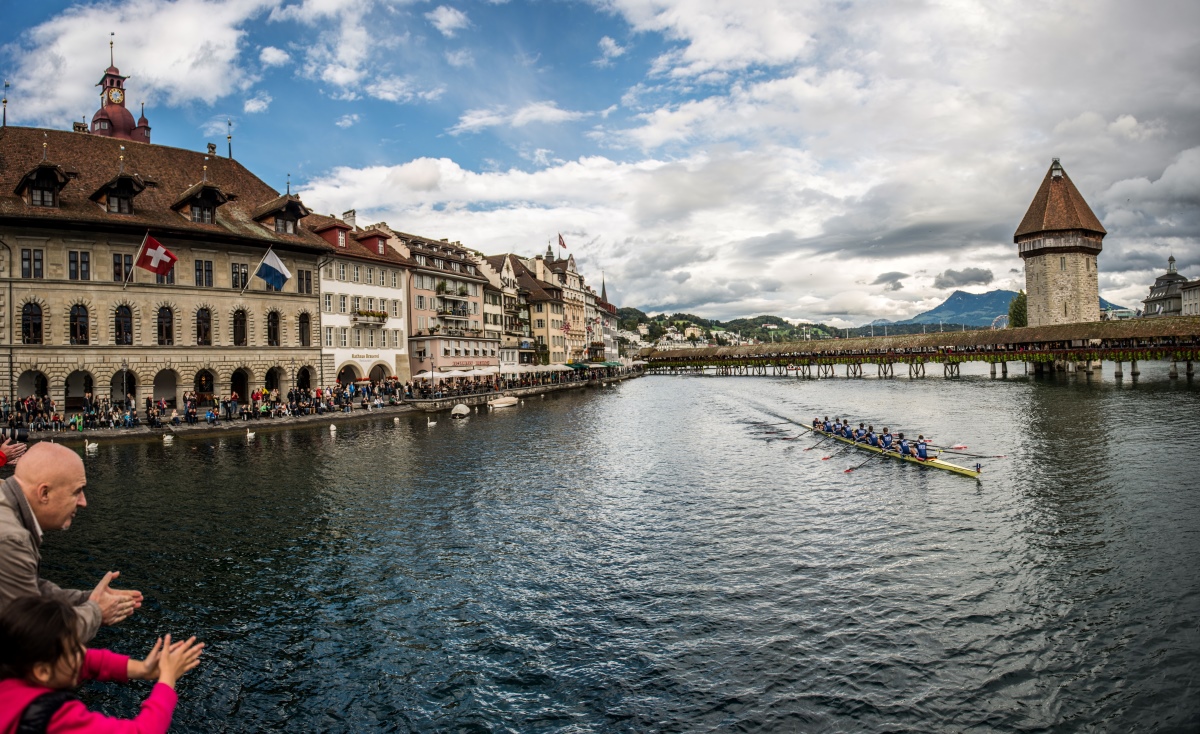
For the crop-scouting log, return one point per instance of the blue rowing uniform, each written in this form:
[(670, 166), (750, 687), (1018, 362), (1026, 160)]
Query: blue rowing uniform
[(922, 450), (847, 431), (871, 440), (885, 441), (904, 447), (858, 435), (828, 426)]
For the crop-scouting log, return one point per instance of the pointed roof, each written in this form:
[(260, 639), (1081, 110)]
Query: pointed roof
[(1058, 206)]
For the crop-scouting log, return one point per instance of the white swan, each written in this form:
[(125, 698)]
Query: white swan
[(396, 421), (333, 428), (89, 446), (168, 438), (249, 435), (430, 422)]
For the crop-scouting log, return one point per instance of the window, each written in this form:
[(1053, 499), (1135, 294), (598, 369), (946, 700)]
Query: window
[(357, 303), (304, 281), (344, 338), (79, 265), (395, 307), (285, 226), (341, 304), (395, 280), (239, 328), (31, 324), (383, 305), (204, 271), (272, 328), (537, 307), (329, 336), (370, 275), (357, 273), (31, 263), (328, 303), (341, 271), (382, 273), (202, 214), (304, 324), (370, 337), (41, 196), (203, 328), (123, 325), (342, 243), (120, 204), (382, 247), (357, 337), (1062, 263), (122, 267), (420, 259), (79, 324), (420, 301), (168, 279), (240, 275), (541, 323), (166, 327), (370, 304)]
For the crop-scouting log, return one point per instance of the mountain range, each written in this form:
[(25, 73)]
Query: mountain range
[(972, 309)]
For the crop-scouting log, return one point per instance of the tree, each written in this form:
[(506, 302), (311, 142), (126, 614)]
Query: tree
[(1017, 313)]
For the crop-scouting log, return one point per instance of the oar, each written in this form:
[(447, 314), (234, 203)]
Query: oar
[(873, 456), (818, 443), (975, 456), (836, 453)]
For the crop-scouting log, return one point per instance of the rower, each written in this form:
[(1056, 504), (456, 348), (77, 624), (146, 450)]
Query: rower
[(885, 440), (871, 439), (816, 424), (847, 431), (921, 449), (828, 426), (861, 433), (902, 444)]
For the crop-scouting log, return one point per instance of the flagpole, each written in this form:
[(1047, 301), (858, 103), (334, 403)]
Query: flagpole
[(138, 256), (256, 267)]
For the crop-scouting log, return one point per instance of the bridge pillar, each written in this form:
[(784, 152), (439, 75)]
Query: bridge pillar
[(1133, 370), (992, 370), (1173, 373), (1004, 369), (1088, 367), (950, 369), (1117, 373), (1191, 372)]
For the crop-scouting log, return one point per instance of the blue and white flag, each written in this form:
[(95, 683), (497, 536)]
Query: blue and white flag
[(272, 271)]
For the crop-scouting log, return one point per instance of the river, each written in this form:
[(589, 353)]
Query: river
[(648, 557)]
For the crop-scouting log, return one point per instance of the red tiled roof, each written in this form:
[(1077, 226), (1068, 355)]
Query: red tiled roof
[(1058, 206), (91, 161), (354, 248)]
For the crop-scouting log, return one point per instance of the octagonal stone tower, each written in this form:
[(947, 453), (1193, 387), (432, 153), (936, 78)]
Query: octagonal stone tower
[(1059, 239)]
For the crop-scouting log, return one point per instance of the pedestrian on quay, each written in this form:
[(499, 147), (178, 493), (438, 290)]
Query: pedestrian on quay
[(44, 494)]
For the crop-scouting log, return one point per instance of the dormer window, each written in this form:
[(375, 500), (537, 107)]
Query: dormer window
[(120, 204), (439, 263), (382, 247), (202, 213), (341, 238), (42, 197), (420, 259), (283, 225)]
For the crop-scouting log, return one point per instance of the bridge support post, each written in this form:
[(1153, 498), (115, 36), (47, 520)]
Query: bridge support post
[(1004, 369), (1191, 372), (1173, 373), (1117, 373), (950, 369), (1133, 370), (1088, 367), (992, 370)]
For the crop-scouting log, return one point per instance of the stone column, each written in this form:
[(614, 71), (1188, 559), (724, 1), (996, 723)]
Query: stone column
[(1133, 369), (1004, 369), (1173, 373), (992, 369), (1191, 372), (1117, 374)]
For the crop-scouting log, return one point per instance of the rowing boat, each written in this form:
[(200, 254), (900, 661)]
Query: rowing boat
[(928, 463)]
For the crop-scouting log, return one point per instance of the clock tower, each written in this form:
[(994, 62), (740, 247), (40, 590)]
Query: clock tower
[(113, 120)]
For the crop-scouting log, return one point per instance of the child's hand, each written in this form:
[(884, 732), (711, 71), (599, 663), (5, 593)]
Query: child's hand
[(178, 658), (148, 668)]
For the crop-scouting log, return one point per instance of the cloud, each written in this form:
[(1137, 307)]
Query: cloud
[(448, 20), (891, 281), (964, 277), (256, 104), (609, 50), (460, 58), (499, 116), (176, 53), (271, 56), (217, 126), (346, 121)]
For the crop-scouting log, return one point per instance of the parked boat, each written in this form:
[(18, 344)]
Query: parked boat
[(506, 401), (460, 411)]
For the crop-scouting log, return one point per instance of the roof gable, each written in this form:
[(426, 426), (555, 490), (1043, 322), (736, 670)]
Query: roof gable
[(1058, 206)]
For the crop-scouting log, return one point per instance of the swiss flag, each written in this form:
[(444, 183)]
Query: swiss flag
[(156, 258)]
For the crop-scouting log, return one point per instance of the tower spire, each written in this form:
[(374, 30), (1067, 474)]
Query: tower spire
[(229, 136), (111, 62)]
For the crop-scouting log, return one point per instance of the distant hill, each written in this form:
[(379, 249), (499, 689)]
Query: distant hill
[(973, 309)]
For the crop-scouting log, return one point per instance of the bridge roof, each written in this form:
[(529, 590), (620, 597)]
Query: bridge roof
[(1175, 326)]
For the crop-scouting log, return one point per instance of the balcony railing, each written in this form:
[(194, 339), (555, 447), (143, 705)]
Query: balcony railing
[(369, 319)]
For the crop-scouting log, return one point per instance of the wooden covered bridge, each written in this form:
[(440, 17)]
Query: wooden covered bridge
[(1070, 347)]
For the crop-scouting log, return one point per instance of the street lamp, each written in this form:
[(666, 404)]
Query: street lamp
[(125, 382), (293, 361)]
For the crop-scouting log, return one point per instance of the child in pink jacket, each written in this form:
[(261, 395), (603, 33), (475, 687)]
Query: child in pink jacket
[(42, 660)]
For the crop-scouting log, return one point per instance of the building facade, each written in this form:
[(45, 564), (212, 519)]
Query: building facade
[(364, 331), (571, 283), (1189, 296), (1059, 240), (74, 210), (1166, 295), (546, 312), (518, 347)]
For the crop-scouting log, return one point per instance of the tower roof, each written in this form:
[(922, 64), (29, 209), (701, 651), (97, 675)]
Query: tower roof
[(1058, 206)]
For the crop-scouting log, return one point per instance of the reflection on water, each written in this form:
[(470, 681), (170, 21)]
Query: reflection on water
[(648, 558)]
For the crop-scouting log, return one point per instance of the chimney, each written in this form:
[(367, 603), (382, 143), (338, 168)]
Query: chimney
[(348, 217), (212, 148), (79, 127)]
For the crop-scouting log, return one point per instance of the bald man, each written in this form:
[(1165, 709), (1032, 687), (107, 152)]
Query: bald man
[(44, 494)]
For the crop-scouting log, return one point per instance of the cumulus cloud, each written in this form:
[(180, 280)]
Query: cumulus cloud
[(256, 104), (271, 56), (460, 58), (448, 20), (609, 50), (534, 112), (964, 277), (346, 121), (892, 281)]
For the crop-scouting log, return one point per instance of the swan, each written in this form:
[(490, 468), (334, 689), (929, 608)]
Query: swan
[(89, 446), (333, 428), (396, 421), (168, 438), (249, 435), (430, 422)]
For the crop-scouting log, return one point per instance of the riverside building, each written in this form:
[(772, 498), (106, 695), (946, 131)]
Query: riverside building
[(364, 334), (517, 347), (74, 209)]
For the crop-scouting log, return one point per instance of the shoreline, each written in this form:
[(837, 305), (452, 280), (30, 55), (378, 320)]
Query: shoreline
[(144, 433)]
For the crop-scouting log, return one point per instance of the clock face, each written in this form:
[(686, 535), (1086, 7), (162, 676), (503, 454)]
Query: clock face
[(116, 95)]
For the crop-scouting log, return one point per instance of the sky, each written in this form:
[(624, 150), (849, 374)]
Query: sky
[(829, 161)]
